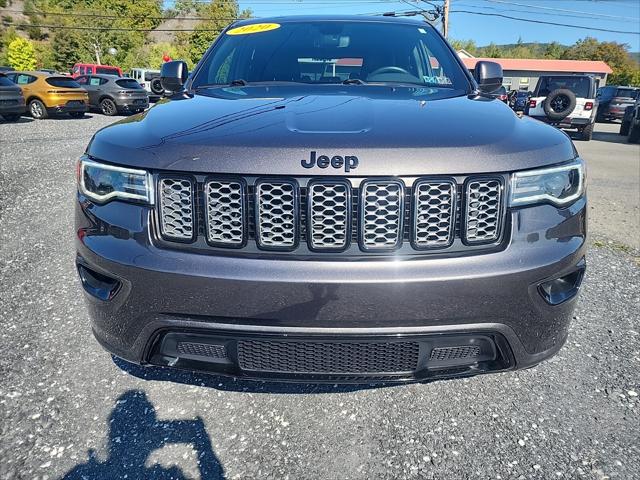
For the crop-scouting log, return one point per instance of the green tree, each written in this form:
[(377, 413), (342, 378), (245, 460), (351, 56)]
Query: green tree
[(216, 16), (128, 19), (492, 51), (616, 55), (21, 54), (6, 37), (468, 45), (67, 49), (554, 50)]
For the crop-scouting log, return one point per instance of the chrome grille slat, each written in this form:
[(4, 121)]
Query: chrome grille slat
[(328, 218), (332, 215), (381, 214), (434, 213), (225, 207), (277, 214), (176, 209), (483, 214)]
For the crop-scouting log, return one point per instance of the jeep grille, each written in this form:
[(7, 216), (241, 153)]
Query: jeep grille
[(329, 215), (176, 207), (343, 216), (434, 209), (483, 207), (224, 203), (381, 214), (276, 214)]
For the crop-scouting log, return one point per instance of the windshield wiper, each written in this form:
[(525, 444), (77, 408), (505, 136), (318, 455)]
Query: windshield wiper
[(233, 83), (353, 81)]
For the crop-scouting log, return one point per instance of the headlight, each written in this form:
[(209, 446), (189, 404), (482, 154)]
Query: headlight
[(102, 182), (557, 185)]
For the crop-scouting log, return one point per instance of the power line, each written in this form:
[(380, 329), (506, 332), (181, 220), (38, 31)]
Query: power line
[(129, 17), (297, 2), (544, 22), (529, 12), (116, 29), (564, 10)]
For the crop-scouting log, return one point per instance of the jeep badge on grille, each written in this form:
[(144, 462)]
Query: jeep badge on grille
[(349, 162)]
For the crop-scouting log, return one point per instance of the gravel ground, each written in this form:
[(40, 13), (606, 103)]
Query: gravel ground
[(66, 408)]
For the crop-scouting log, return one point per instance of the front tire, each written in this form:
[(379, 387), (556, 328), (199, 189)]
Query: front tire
[(634, 134), (38, 110), (108, 107), (624, 128), (587, 133)]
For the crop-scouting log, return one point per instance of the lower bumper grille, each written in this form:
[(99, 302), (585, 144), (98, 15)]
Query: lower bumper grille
[(332, 358), (328, 357)]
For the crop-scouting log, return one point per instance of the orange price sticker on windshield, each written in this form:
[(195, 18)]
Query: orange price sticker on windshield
[(254, 28)]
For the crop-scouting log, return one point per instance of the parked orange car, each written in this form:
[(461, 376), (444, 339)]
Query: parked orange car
[(48, 94)]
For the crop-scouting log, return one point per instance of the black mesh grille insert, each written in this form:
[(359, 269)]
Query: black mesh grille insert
[(328, 357), (202, 350), (454, 353)]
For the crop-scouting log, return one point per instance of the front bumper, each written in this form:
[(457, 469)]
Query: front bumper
[(568, 122), (214, 303)]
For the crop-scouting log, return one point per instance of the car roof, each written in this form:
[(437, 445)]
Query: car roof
[(37, 73), (333, 18), (106, 76)]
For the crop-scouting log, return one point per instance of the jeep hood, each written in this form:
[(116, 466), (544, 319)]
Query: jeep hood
[(269, 130)]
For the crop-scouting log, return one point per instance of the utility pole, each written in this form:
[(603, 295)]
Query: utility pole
[(445, 19)]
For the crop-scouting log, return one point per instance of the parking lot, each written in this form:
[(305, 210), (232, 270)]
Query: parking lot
[(68, 409)]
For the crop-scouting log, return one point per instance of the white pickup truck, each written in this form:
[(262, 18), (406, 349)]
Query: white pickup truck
[(565, 101)]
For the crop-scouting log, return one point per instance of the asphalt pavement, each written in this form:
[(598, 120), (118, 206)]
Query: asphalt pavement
[(67, 409)]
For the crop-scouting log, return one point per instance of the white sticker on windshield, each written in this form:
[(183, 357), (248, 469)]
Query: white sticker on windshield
[(438, 80), (422, 30)]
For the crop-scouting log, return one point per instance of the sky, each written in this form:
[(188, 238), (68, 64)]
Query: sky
[(622, 15)]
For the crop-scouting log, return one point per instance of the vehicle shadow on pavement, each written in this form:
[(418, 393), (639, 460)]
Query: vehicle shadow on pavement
[(21, 120), (87, 116), (229, 384), (611, 137), (135, 432)]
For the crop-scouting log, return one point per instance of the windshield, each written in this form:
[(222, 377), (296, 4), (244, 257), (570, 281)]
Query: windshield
[(329, 52), (62, 82), (107, 71), (580, 86), (5, 82), (129, 83), (627, 93)]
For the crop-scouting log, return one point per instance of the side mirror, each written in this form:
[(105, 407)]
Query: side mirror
[(173, 75), (488, 75)]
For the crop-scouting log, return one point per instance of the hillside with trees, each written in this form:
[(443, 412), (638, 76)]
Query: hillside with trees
[(58, 33), (625, 66), (118, 32)]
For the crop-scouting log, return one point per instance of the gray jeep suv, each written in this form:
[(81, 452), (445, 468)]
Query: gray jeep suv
[(331, 199)]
